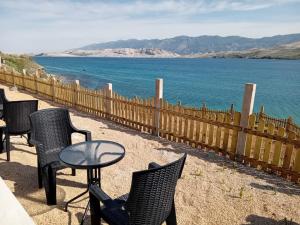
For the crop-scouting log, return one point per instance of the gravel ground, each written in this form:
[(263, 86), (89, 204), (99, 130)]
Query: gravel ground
[(212, 190)]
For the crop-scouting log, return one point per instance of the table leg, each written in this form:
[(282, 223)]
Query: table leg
[(85, 212), (93, 177), (76, 197)]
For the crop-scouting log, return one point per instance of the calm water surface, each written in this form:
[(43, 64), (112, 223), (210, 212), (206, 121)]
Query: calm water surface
[(217, 82)]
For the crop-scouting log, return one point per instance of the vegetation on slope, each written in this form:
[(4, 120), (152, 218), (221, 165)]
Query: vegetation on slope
[(20, 62)]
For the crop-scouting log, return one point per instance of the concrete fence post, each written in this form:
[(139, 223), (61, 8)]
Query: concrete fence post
[(158, 98), (75, 95), (109, 103), (37, 76), (53, 82), (247, 110), (24, 73), (13, 74)]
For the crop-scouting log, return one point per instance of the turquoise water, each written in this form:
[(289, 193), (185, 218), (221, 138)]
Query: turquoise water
[(217, 82)]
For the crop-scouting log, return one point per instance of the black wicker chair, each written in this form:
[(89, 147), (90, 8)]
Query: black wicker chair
[(16, 116), (3, 100), (51, 132), (150, 201)]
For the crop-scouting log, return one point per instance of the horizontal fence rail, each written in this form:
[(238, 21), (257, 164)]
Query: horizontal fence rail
[(270, 144)]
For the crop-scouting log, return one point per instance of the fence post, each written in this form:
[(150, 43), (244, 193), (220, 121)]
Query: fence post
[(0, 62), (247, 110), (13, 72), (158, 98), (75, 93), (36, 77), (23, 78), (53, 82), (109, 103)]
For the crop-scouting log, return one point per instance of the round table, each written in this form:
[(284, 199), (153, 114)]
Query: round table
[(92, 156)]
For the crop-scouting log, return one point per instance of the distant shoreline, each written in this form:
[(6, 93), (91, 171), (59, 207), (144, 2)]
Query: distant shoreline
[(178, 57)]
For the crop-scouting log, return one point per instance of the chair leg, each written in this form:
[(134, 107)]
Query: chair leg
[(40, 178), (1, 140), (28, 139), (171, 220), (49, 179), (95, 210), (7, 147), (73, 172)]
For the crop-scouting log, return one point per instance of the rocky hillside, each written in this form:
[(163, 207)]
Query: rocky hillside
[(186, 45), (288, 51)]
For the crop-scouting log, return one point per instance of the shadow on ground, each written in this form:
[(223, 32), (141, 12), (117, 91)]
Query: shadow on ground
[(260, 220)]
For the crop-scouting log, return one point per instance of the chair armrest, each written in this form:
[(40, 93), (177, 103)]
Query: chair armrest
[(153, 165), (100, 194), (88, 135)]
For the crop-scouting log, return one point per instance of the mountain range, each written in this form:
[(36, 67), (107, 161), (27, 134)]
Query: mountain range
[(185, 45)]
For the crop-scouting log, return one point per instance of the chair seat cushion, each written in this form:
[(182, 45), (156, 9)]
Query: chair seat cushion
[(114, 213)]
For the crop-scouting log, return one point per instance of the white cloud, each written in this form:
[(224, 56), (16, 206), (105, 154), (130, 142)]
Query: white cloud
[(40, 25)]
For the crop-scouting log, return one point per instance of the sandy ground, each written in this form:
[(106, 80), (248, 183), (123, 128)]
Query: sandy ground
[(212, 190)]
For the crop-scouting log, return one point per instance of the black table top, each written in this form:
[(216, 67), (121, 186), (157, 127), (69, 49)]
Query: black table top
[(92, 154)]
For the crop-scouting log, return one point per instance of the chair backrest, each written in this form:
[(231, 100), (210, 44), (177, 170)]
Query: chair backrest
[(152, 193), (16, 115), (52, 128), (3, 98)]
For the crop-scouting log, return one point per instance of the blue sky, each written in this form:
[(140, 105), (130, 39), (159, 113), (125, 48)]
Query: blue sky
[(43, 26)]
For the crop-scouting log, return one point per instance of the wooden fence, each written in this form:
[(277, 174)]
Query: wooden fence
[(267, 145)]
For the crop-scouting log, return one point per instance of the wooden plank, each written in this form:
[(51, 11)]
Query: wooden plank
[(192, 125), (249, 138), (198, 128), (288, 151), (258, 141), (204, 129), (171, 124), (278, 147), (181, 124), (268, 143), (226, 133), (211, 130), (186, 125), (219, 131), (296, 166), (236, 121)]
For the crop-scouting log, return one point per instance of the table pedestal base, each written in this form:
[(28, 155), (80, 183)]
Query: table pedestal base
[(93, 177)]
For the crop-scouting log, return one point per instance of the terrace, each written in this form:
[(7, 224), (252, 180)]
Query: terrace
[(213, 189)]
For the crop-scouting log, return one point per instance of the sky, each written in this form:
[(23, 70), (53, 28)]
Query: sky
[(55, 25)]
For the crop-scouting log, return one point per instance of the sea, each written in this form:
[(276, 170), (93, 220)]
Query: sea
[(216, 82)]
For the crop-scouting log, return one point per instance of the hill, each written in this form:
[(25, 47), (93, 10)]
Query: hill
[(288, 51), (186, 45)]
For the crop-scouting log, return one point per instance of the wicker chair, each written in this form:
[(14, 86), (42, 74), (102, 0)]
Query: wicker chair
[(150, 201), (16, 116), (51, 132), (3, 99)]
